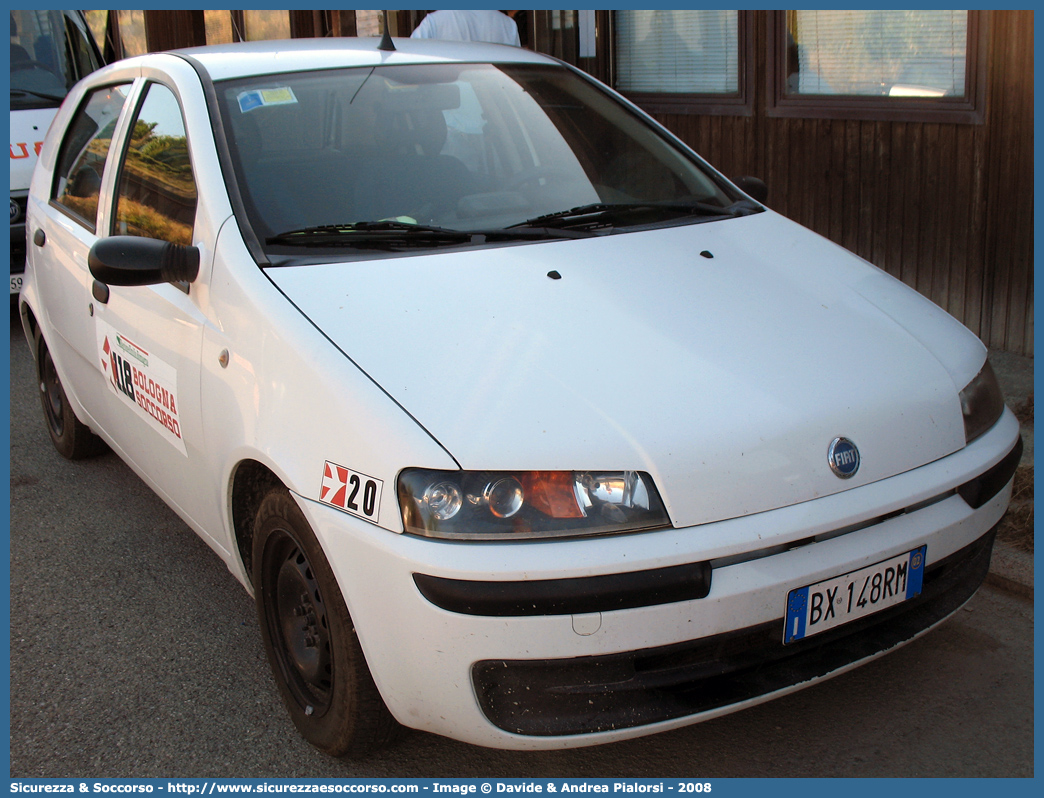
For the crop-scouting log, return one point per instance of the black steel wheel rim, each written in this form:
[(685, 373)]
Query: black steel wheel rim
[(298, 624), (53, 396)]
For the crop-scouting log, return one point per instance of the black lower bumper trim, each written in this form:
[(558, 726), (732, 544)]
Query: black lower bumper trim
[(592, 694), (568, 596), (985, 486)]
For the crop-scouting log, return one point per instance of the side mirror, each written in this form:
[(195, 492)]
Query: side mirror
[(130, 260), (753, 187)]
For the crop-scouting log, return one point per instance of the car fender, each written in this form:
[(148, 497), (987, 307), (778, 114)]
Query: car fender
[(316, 412)]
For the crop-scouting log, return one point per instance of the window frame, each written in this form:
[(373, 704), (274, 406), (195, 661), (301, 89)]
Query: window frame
[(739, 104), (969, 109), (132, 118), (93, 226), (131, 113)]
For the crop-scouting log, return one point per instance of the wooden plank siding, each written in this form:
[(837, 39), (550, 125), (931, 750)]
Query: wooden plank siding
[(946, 208), (1009, 165)]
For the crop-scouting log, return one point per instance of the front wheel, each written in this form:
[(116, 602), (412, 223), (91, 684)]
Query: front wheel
[(309, 637)]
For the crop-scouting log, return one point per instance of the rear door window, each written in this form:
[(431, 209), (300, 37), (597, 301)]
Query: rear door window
[(84, 153)]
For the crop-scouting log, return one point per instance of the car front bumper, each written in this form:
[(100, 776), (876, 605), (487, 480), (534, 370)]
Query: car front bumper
[(558, 678)]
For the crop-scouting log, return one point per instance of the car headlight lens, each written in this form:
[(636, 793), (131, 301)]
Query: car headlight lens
[(442, 499), (982, 403), (513, 505)]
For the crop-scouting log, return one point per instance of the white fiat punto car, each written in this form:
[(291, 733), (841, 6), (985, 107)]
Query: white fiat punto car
[(523, 425)]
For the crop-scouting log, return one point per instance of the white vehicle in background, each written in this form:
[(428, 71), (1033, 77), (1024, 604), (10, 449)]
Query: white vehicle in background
[(50, 50)]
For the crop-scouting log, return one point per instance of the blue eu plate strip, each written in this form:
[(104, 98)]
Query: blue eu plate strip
[(916, 576), (797, 611)]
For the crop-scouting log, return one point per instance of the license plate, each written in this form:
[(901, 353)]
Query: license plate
[(16, 283), (815, 608)]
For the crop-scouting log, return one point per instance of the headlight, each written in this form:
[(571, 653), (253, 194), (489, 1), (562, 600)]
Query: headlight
[(982, 403), (512, 505)]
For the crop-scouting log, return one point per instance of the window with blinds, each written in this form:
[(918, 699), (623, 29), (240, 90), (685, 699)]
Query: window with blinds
[(132, 32), (877, 53), (218, 26), (368, 23), (677, 52), (266, 25)]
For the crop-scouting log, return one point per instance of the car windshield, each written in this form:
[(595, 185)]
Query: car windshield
[(50, 51), (322, 156)]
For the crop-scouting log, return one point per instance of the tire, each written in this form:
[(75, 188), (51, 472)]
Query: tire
[(73, 439), (309, 637)]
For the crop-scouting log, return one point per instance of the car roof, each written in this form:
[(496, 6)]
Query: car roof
[(245, 59)]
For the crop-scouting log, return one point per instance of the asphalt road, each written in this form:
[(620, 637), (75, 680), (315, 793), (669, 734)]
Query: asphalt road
[(134, 653)]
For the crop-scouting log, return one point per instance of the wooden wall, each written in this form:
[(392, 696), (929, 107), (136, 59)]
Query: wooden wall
[(947, 208)]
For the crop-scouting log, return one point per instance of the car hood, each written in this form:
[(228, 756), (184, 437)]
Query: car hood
[(722, 358)]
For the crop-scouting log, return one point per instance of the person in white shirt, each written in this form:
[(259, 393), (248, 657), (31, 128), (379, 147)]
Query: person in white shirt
[(475, 25)]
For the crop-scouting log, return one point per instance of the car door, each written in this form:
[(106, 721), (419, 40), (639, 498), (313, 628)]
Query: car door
[(62, 231), (147, 339)]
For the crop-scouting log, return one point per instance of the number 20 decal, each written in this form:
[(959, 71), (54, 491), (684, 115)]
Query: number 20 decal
[(351, 491)]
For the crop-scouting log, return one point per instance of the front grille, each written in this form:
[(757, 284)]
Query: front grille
[(17, 212), (18, 205)]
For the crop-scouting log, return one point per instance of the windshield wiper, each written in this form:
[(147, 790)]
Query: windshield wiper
[(600, 214), (26, 92), (387, 230), (392, 232)]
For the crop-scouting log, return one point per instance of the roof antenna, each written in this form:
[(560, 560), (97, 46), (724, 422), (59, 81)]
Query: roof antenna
[(386, 39)]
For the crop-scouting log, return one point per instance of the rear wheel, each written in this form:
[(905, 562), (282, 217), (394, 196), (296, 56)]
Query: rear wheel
[(73, 439), (309, 637)]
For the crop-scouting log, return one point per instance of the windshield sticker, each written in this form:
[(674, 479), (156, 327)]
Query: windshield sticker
[(143, 382), (351, 491), (257, 98)]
